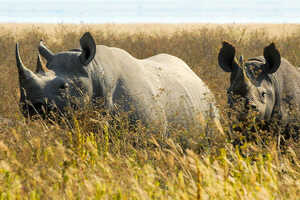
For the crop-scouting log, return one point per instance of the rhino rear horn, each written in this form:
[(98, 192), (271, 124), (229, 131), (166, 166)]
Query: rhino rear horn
[(24, 73), (226, 57), (40, 66), (45, 52), (88, 46), (273, 59)]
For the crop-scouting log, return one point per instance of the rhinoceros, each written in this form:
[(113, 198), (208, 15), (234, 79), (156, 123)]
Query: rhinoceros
[(269, 84), (160, 91)]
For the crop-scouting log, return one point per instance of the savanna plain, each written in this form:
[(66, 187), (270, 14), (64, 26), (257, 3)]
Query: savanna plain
[(92, 158)]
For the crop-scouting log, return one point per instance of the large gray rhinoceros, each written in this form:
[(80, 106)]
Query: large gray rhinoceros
[(269, 83), (161, 90)]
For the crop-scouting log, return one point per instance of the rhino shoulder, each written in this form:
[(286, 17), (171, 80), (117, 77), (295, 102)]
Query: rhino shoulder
[(285, 62), (288, 69), (115, 51), (114, 56)]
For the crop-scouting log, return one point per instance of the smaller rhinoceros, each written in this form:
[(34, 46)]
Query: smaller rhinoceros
[(268, 83), (161, 91)]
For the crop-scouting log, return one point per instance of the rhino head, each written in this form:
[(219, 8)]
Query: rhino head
[(63, 82), (252, 80)]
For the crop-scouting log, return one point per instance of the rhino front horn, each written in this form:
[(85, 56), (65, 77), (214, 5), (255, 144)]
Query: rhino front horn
[(45, 52), (24, 73), (246, 77)]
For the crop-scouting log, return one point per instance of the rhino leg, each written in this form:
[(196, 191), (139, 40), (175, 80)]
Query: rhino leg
[(219, 126), (109, 105), (156, 120)]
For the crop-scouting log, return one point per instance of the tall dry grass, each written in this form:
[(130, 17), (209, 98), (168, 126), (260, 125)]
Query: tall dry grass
[(95, 160)]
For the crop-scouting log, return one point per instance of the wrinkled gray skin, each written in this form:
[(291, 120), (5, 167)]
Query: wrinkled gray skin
[(269, 83), (161, 90)]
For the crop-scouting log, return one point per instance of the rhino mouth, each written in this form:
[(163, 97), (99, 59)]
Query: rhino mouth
[(249, 106), (36, 110), (46, 111)]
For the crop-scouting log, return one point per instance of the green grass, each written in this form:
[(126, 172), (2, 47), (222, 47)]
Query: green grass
[(96, 160)]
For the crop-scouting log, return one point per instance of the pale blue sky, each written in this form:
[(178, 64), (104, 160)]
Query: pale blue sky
[(126, 11)]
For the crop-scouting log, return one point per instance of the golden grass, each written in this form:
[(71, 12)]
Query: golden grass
[(151, 28), (97, 160)]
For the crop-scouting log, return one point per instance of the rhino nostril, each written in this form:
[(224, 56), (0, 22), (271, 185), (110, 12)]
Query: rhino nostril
[(249, 105), (253, 107), (64, 86)]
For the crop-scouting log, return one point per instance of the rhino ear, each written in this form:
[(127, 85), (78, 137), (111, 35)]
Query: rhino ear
[(226, 57), (45, 52), (88, 46), (273, 59)]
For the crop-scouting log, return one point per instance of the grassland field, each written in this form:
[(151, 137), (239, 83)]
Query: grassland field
[(96, 160)]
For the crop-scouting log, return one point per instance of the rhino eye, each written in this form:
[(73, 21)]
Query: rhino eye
[(264, 94)]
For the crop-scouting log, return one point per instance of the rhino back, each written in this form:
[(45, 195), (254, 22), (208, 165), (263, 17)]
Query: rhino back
[(162, 88), (183, 91)]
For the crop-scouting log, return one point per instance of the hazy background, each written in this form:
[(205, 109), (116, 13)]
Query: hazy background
[(135, 11)]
